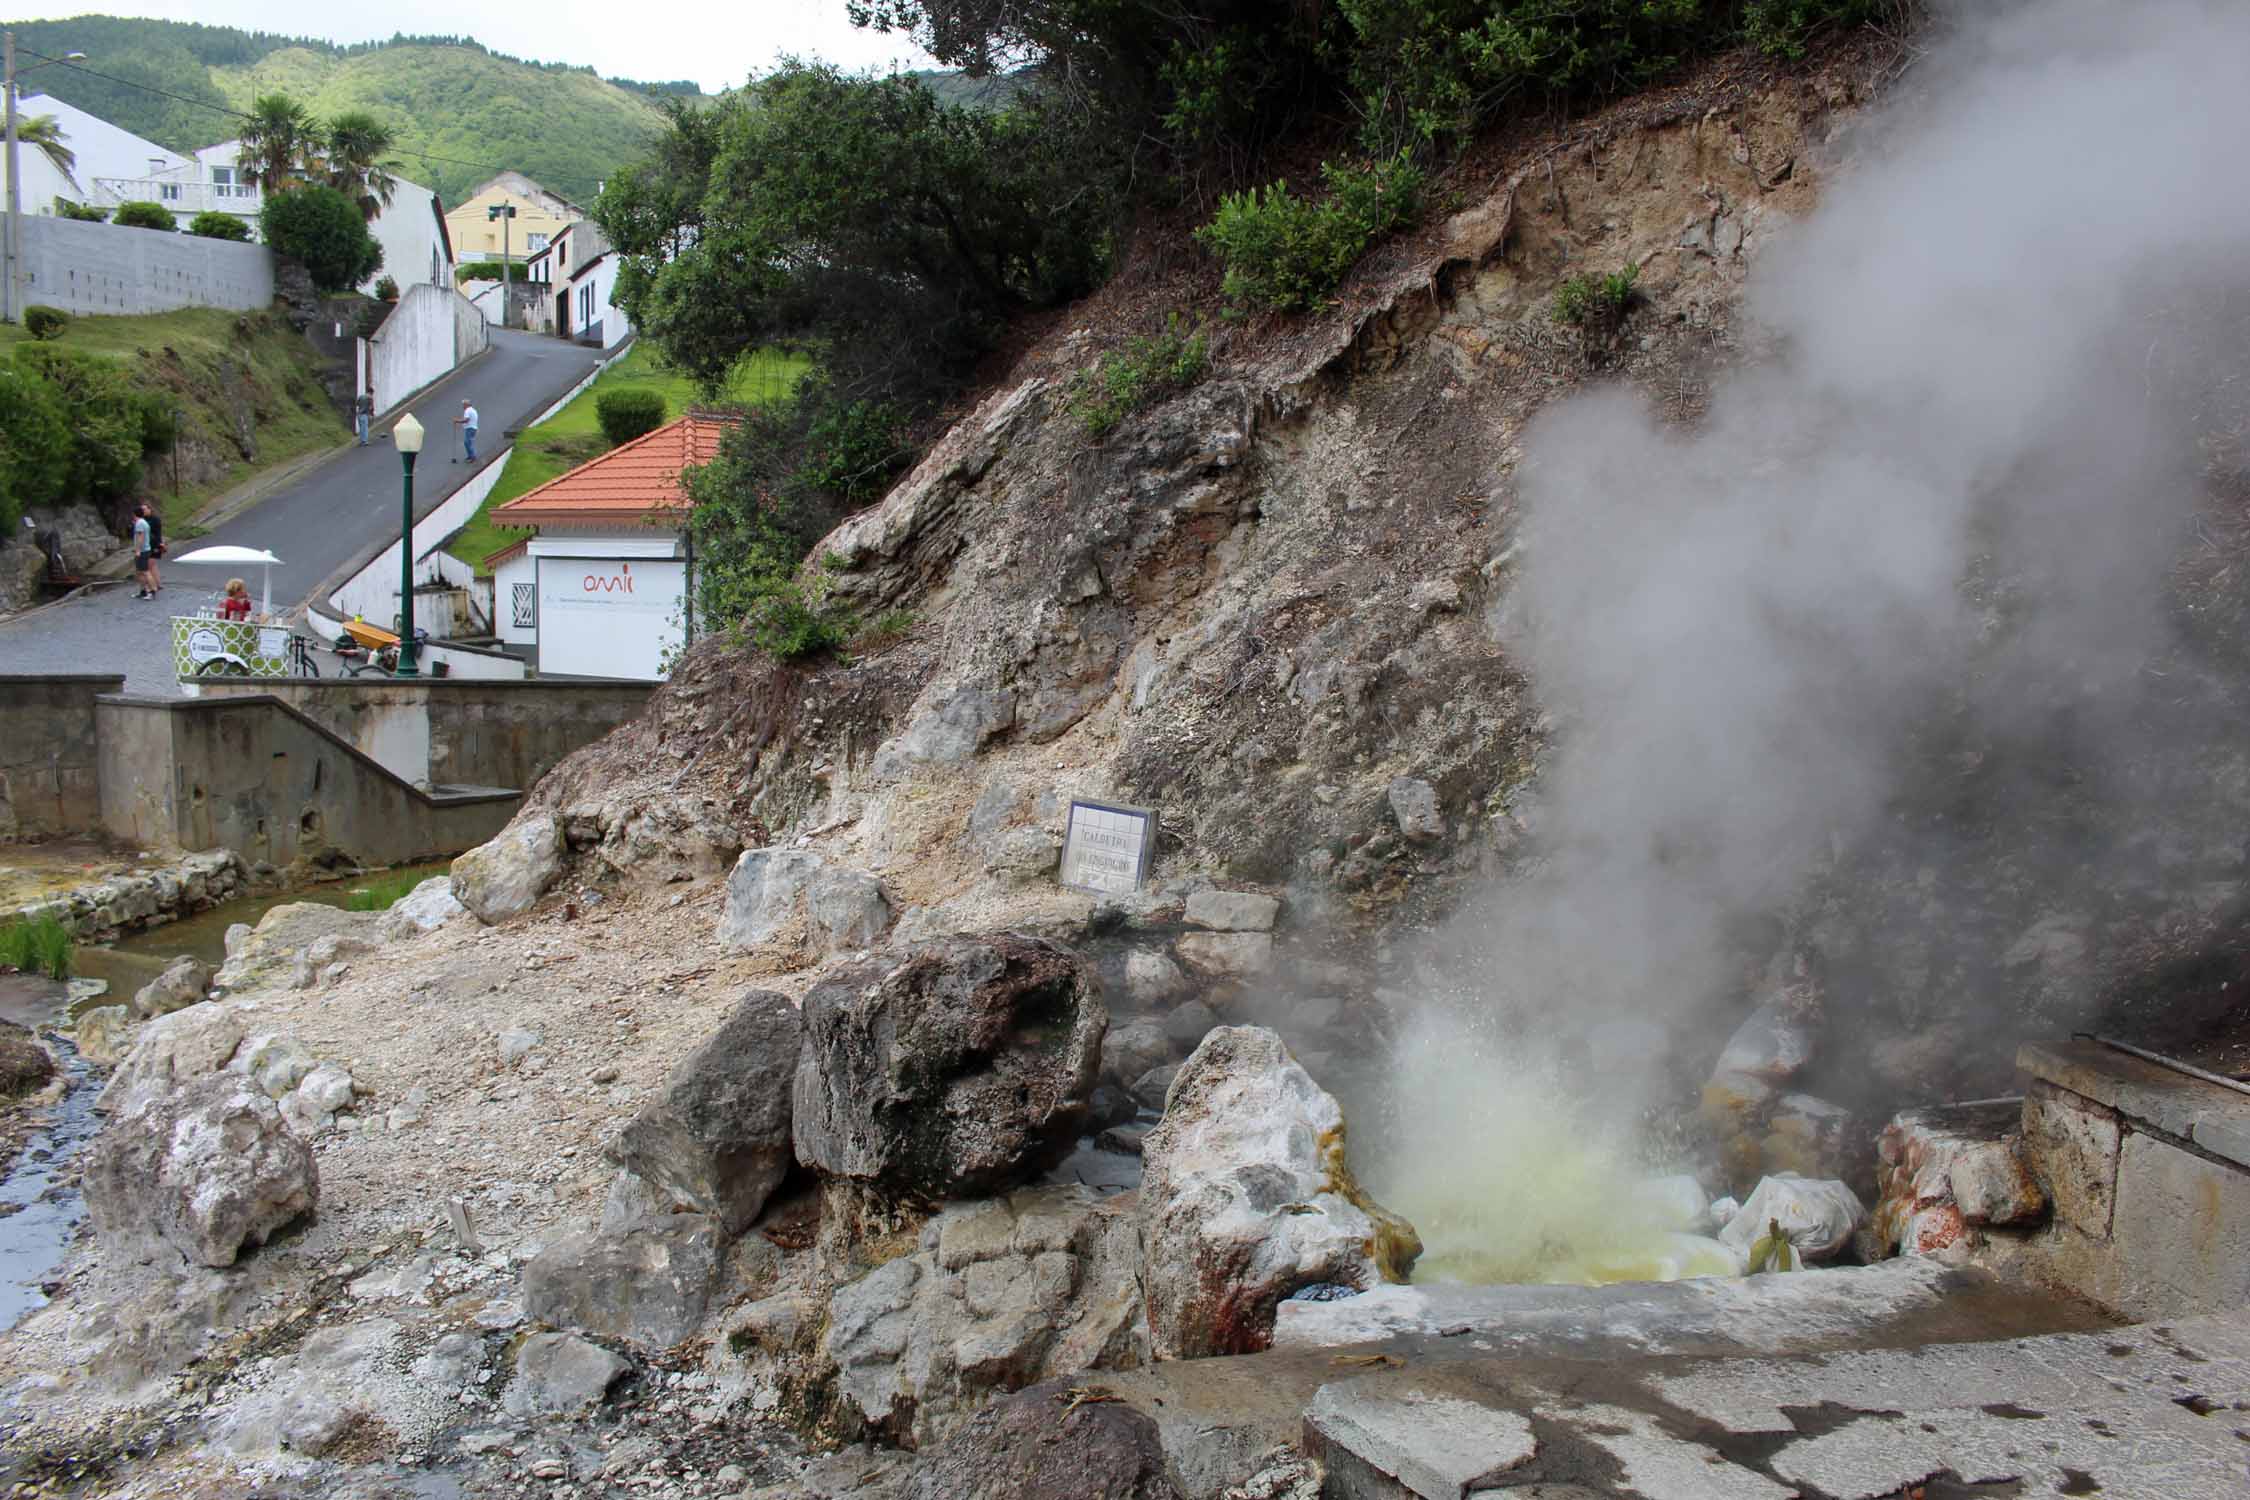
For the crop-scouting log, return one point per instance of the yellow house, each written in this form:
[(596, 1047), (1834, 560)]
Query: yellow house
[(540, 216)]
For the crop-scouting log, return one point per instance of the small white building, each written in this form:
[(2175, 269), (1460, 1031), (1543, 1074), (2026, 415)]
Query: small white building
[(103, 150), (578, 271), (601, 587)]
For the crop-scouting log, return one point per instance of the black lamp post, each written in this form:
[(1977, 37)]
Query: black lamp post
[(407, 436)]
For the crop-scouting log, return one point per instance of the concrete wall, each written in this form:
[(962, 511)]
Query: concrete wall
[(108, 270), (431, 331), (250, 773), (50, 781), (456, 731)]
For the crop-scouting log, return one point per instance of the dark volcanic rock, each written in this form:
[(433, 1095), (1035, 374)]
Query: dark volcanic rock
[(24, 1064), (951, 1069), (1046, 1444), (717, 1139)]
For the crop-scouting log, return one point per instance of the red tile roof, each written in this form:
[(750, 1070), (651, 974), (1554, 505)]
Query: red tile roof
[(629, 483), (515, 548)]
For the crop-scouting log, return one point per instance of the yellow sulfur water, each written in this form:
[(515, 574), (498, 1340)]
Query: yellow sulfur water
[(1510, 1176)]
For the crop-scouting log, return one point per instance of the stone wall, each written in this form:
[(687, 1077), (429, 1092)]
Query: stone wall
[(458, 732), (49, 758), (255, 775), (111, 269)]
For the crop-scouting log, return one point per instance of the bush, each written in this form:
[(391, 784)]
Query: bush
[(488, 270), (790, 619), (1589, 301), (630, 413), (852, 450), (45, 322), (84, 213), (386, 290), (1288, 253), (142, 214), (322, 230), (213, 225), (160, 421), (1144, 370), (36, 946), (106, 428), (34, 443)]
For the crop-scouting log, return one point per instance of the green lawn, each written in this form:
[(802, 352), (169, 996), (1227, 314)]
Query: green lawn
[(572, 435), (206, 359)]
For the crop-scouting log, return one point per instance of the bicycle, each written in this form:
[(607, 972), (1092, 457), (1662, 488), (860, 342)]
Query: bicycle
[(301, 663)]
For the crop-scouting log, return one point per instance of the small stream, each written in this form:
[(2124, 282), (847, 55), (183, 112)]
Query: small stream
[(40, 1198)]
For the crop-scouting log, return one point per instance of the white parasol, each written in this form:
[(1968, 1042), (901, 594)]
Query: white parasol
[(235, 557)]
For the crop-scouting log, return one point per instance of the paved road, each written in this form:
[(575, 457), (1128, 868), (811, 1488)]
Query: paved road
[(315, 525)]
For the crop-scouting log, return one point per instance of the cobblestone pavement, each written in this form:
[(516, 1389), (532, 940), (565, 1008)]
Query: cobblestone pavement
[(314, 525)]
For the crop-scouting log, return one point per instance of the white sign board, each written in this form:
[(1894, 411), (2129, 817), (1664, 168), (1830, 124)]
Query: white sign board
[(1106, 848), (609, 617)]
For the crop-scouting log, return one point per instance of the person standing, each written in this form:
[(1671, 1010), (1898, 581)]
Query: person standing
[(155, 546), (467, 422), (363, 412), (143, 558)]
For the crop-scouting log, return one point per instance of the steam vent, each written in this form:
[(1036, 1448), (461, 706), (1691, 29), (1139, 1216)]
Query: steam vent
[(1353, 752)]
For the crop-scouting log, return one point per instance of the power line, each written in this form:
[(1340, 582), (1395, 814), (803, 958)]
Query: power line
[(228, 109)]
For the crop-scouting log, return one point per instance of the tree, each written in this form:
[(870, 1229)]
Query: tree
[(44, 134), (321, 229), (214, 225), (357, 144), (34, 442), (280, 144)]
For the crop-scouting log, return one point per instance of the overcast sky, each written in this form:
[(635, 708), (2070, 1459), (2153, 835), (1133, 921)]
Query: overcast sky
[(718, 43)]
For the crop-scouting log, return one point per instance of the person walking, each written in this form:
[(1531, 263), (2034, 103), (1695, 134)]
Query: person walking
[(155, 546), (467, 422), (142, 558), (363, 412)]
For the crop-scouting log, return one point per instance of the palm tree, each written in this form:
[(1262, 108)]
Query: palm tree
[(357, 144), (280, 144), (44, 132)]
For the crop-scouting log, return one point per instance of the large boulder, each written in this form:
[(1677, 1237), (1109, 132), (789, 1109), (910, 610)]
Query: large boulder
[(172, 1050), (206, 1168), (426, 908), (283, 940), (796, 898), (1047, 1443), (185, 981), (1246, 1197), (506, 877), (717, 1139), (952, 1069), (646, 1283)]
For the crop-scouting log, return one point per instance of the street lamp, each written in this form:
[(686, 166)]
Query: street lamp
[(14, 237), (407, 436), (505, 213)]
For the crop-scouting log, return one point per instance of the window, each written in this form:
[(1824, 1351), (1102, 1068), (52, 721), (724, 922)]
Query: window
[(535, 243), (222, 176), (170, 190), (586, 304), (521, 594)]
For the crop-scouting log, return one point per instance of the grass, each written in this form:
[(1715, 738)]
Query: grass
[(41, 946), (573, 435), (209, 360), (382, 895)]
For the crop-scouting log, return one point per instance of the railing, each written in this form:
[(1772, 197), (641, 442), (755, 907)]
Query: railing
[(181, 195)]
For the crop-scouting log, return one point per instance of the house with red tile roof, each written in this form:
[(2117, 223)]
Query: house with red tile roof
[(599, 587)]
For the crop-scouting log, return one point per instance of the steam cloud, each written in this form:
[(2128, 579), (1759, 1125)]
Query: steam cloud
[(1989, 342)]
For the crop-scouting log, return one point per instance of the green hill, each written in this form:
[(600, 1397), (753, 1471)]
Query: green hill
[(461, 111)]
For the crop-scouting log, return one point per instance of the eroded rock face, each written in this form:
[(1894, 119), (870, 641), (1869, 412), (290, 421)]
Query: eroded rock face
[(951, 1069), (184, 982), (1040, 1284), (206, 1168), (506, 877), (1246, 1197), (718, 1138), (797, 898), (646, 1282), (1040, 1445)]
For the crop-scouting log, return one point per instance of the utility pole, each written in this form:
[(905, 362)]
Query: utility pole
[(15, 195), (506, 214)]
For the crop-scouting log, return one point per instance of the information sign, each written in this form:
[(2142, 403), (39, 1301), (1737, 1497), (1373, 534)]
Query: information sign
[(1106, 848)]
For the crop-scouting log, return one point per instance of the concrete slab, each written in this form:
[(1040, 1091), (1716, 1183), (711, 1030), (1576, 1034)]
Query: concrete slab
[(1655, 1465), (2145, 1093), (1384, 1440)]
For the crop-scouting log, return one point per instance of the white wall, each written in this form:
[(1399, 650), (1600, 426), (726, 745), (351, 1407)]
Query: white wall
[(109, 269), (372, 592), (506, 624), (608, 616), (431, 331), (602, 277), (408, 233)]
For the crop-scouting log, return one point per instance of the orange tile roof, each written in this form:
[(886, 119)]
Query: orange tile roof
[(493, 559), (627, 484)]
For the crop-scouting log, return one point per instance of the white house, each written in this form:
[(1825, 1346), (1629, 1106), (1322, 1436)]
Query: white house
[(601, 588), (103, 151), (579, 270)]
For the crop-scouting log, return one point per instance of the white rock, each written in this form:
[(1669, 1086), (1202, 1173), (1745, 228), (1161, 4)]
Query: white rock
[(205, 1168), (187, 1044), (796, 897), (424, 909), (276, 1064), (103, 1034), (507, 876), (1227, 955), (1675, 1202), (1233, 911), (326, 1089)]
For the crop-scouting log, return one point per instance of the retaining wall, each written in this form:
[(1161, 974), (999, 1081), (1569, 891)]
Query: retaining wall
[(108, 270), (50, 781), (427, 336), (253, 774)]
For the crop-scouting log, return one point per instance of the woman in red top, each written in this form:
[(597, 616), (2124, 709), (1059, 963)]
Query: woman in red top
[(236, 605)]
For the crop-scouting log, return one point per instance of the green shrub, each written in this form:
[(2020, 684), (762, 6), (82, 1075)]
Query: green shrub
[(852, 449), (34, 443), (84, 213), (213, 225), (322, 230), (629, 413), (1288, 253), (142, 214), (45, 322), (790, 619), (105, 430), (160, 421), (1591, 301), (386, 290), (1144, 370), (40, 945), (488, 270)]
